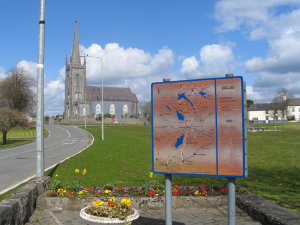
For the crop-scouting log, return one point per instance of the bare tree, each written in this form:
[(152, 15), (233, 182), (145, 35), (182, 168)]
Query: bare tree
[(281, 102), (16, 90), (146, 109), (10, 118)]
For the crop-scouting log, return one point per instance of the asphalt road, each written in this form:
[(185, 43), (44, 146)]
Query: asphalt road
[(18, 164)]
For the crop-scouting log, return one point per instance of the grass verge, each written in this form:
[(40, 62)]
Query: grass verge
[(12, 143), (124, 159), (20, 136)]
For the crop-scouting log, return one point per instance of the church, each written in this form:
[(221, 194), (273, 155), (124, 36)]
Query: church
[(81, 100)]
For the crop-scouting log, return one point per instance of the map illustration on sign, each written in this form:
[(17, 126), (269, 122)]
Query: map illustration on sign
[(197, 127)]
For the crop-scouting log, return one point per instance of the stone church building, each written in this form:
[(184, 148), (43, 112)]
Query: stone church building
[(81, 99)]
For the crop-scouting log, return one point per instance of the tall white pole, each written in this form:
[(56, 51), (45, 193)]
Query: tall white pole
[(102, 100), (40, 96)]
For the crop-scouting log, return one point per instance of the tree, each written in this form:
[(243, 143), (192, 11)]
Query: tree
[(281, 102), (146, 109), (16, 90), (249, 103), (10, 118)]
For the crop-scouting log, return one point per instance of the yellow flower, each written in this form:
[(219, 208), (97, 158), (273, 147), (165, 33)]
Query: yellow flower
[(65, 191), (84, 172), (77, 171), (196, 193), (107, 191), (80, 192), (59, 190), (112, 200), (126, 202), (150, 175), (97, 203), (56, 175)]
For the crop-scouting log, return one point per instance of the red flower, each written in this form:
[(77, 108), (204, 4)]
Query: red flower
[(90, 188), (150, 193), (175, 192), (121, 189), (125, 195), (176, 186), (110, 204), (97, 194), (223, 190), (203, 193), (203, 187), (69, 194)]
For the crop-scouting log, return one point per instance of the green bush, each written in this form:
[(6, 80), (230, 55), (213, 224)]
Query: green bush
[(107, 115)]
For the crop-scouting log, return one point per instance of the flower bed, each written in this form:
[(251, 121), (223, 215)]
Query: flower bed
[(150, 188)]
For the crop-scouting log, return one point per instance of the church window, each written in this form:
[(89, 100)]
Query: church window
[(125, 109), (112, 109), (98, 109)]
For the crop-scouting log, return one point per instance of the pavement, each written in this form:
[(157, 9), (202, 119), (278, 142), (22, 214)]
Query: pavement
[(203, 214)]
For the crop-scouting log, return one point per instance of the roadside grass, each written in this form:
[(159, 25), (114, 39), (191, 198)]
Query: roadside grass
[(7, 194), (19, 136), (11, 143), (124, 158)]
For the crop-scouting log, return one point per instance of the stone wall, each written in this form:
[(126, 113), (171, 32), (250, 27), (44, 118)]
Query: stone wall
[(265, 211), (17, 208)]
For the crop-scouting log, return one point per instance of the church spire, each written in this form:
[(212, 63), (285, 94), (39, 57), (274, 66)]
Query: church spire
[(75, 52)]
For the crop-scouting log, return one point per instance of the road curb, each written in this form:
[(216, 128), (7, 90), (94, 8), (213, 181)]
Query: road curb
[(265, 211)]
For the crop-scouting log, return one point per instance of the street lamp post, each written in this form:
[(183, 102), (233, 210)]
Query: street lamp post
[(40, 96)]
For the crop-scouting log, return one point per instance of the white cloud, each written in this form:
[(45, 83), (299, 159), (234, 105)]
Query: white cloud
[(30, 67), (215, 60), (235, 14), (2, 73), (54, 97), (53, 89), (120, 63), (254, 95), (277, 22)]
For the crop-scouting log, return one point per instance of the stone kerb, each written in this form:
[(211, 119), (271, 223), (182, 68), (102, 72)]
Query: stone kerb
[(265, 211), (17, 208)]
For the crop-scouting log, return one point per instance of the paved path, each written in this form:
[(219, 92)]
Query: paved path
[(18, 164), (181, 216)]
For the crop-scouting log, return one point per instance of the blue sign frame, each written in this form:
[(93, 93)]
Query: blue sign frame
[(243, 129)]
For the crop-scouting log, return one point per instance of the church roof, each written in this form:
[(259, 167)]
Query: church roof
[(94, 93)]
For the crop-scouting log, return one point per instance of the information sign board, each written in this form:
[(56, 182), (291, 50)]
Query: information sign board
[(198, 127)]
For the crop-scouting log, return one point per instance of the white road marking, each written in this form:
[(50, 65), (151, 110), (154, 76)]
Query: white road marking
[(31, 150), (50, 167)]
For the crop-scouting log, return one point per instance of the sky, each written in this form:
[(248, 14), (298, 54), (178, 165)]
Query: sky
[(141, 42)]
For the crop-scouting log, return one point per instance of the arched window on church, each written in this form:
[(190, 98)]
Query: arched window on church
[(98, 109), (125, 110), (112, 110)]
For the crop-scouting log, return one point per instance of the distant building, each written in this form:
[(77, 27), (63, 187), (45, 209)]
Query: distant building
[(81, 99), (264, 112)]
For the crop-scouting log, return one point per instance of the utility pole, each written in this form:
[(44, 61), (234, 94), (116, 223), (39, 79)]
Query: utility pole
[(40, 95)]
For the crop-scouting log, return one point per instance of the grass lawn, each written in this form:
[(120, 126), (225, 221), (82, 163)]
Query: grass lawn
[(11, 143), (19, 136), (124, 159)]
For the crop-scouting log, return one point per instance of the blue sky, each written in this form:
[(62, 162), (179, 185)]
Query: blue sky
[(144, 41)]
